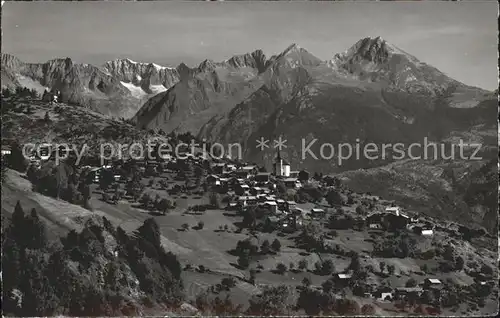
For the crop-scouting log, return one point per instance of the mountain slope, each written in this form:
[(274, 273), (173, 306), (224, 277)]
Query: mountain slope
[(142, 78), (202, 92), (80, 84)]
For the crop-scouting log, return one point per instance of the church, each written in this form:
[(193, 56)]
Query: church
[(281, 167)]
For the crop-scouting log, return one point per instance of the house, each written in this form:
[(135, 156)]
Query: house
[(317, 213), (384, 293), (404, 292), (213, 180), (218, 168), (426, 232), (256, 191), (385, 296), (395, 221), (249, 169), (53, 96), (6, 150), (374, 220), (272, 206), (272, 221), (342, 279), (44, 152), (281, 167), (262, 177), (289, 205), (393, 209), (432, 283), (294, 174), (291, 183)]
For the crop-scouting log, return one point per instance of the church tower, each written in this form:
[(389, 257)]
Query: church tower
[(281, 167)]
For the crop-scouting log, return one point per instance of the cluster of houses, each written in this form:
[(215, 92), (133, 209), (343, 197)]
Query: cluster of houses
[(394, 218)]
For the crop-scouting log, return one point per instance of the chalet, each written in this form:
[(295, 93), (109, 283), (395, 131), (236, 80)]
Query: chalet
[(426, 232), (294, 174), (317, 213), (395, 221), (291, 183), (281, 204), (375, 226), (249, 169), (44, 152), (256, 191), (374, 220), (218, 168), (289, 205), (213, 180), (393, 209), (243, 200), (261, 198), (432, 283), (94, 174), (403, 292), (262, 177), (6, 150), (384, 296), (342, 279), (232, 205), (53, 96), (272, 221), (272, 206)]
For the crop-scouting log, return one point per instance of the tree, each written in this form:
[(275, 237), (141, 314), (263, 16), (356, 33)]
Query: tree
[(244, 261), (360, 210), (459, 263), (306, 282), (291, 266), (280, 187), (215, 200), (368, 310), (185, 226), (334, 198), (391, 268), (281, 268), (303, 176), (201, 225), (382, 266), (163, 206), (327, 267), (47, 117), (271, 302), (36, 229), (276, 245), (486, 270), (265, 247), (355, 264), (411, 283), (145, 200), (227, 283), (303, 264), (253, 274)]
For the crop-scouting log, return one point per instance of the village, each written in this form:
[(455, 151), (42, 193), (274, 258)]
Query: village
[(283, 201)]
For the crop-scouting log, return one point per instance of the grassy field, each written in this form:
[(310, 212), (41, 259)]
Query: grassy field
[(210, 246)]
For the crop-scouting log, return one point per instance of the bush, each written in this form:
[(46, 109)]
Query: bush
[(276, 245), (281, 268)]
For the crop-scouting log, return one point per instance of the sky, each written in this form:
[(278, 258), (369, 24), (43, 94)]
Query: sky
[(459, 38)]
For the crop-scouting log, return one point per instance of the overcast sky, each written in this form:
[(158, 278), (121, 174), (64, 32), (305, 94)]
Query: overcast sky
[(459, 38)]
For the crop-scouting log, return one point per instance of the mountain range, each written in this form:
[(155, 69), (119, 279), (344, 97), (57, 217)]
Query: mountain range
[(373, 92)]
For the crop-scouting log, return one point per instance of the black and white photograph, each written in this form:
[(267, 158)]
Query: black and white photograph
[(249, 158)]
